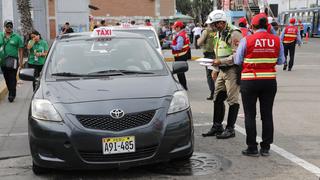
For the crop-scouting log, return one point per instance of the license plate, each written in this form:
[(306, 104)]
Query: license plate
[(118, 145)]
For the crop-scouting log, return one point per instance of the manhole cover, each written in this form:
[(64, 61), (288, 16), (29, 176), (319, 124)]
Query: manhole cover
[(199, 164)]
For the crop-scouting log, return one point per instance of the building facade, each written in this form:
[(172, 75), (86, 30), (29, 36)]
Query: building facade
[(152, 8), (49, 15)]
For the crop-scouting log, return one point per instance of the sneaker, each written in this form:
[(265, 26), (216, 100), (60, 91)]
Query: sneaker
[(252, 153), (213, 131), (227, 133), (264, 152)]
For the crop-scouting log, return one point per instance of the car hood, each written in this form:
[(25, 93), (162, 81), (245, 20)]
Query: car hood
[(88, 90)]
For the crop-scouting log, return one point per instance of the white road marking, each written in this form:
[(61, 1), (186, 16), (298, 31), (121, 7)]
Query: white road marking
[(291, 157), (14, 134)]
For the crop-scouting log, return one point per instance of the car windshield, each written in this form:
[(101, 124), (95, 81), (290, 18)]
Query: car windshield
[(149, 34), (98, 57)]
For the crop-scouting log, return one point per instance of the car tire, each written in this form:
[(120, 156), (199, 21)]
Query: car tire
[(37, 170)]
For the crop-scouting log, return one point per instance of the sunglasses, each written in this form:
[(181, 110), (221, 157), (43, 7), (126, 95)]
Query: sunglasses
[(9, 26)]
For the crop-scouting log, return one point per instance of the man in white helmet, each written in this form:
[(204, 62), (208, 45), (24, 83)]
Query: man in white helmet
[(227, 80)]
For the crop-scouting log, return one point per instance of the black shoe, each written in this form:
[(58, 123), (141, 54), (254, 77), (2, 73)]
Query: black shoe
[(10, 98), (289, 69), (264, 152), (210, 97), (213, 131), (285, 67), (248, 152), (227, 133)]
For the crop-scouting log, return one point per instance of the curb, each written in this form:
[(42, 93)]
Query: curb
[(3, 89), (171, 59)]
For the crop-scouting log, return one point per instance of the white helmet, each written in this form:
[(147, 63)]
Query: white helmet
[(215, 16)]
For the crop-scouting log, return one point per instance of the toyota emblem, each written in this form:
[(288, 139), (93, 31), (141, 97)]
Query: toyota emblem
[(116, 113)]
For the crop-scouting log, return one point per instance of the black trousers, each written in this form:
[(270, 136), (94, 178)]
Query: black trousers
[(289, 48), (210, 81), (195, 41), (301, 34), (37, 71), (10, 76), (181, 76), (265, 91)]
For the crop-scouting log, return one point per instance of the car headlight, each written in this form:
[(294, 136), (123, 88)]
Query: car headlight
[(43, 110), (179, 102)]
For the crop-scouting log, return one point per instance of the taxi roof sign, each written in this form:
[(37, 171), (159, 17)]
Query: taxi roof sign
[(126, 25), (103, 32)]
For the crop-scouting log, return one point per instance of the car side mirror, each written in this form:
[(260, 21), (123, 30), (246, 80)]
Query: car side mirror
[(179, 67), (27, 74)]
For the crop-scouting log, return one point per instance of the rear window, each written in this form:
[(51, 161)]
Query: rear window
[(149, 34), (87, 56)]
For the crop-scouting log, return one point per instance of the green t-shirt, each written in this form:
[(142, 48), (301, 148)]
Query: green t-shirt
[(10, 46), (38, 47)]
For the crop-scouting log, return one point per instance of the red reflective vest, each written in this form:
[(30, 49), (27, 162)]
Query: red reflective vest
[(261, 56), (301, 27), (290, 34), (185, 47), (244, 31)]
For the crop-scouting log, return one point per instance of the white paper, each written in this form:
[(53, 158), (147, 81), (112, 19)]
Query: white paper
[(204, 60)]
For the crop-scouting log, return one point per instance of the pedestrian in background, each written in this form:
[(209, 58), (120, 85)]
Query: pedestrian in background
[(243, 27), (180, 48), (290, 36), (66, 29), (258, 54), (38, 50), (11, 55), (207, 41), (197, 33), (301, 28)]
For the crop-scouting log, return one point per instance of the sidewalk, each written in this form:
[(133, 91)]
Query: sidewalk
[(3, 87)]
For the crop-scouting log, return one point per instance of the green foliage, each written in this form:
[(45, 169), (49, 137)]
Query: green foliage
[(199, 9)]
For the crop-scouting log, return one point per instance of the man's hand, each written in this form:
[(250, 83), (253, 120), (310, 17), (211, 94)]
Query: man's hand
[(216, 62), (214, 75)]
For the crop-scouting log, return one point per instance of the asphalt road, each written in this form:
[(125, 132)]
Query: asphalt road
[(295, 153)]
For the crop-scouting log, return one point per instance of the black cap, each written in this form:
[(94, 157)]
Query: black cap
[(8, 21)]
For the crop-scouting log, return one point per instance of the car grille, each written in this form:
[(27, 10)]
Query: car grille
[(106, 122), (99, 157)]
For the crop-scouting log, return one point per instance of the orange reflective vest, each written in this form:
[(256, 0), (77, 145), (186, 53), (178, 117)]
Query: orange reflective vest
[(261, 56), (185, 47), (290, 34)]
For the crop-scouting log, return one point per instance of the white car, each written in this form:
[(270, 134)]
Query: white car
[(148, 31)]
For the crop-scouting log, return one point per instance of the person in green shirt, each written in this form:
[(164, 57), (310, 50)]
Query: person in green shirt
[(38, 51), (11, 47)]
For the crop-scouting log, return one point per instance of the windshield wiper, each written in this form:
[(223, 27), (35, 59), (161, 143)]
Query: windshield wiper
[(120, 72), (68, 74)]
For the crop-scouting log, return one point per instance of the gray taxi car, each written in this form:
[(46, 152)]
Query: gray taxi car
[(107, 101)]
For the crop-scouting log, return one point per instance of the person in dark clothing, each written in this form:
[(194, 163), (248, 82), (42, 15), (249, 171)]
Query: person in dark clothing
[(258, 82), (66, 28)]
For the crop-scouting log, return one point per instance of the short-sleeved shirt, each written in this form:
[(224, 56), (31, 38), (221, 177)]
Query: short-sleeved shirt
[(38, 47), (12, 44)]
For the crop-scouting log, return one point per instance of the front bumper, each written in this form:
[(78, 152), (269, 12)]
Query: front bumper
[(66, 145)]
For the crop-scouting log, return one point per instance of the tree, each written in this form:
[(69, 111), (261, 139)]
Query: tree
[(184, 6), (24, 8), (201, 9)]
